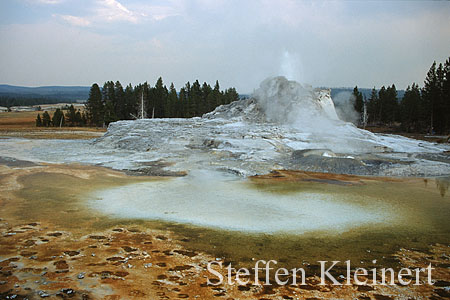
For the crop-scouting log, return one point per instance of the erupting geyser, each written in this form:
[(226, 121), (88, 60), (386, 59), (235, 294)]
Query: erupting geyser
[(289, 102)]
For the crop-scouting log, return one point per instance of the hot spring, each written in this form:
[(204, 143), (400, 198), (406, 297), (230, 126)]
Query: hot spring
[(217, 200), (245, 219)]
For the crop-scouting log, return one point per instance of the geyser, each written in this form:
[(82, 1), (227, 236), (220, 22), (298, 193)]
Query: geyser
[(289, 102)]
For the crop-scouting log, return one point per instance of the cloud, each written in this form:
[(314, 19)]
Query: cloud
[(110, 11), (159, 13), (240, 43), (113, 10), (46, 1), (104, 11), (74, 20), (66, 55)]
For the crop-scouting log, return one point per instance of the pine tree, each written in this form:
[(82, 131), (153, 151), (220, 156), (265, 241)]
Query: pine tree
[(430, 95), (195, 98), (391, 105), (38, 121), (382, 99), (446, 95), (46, 120), (119, 101), (95, 107), (149, 99), (215, 96), (411, 108), (440, 113), (205, 106), (359, 102), (373, 107), (211, 101), (108, 93), (230, 95), (78, 118), (110, 115), (183, 103), (172, 103), (71, 116), (84, 118), (109, 102), (130, 103), (160, 94), (189, 110), (58, 118)]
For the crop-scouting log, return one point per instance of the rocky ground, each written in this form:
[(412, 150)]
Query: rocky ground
[(127, 263)]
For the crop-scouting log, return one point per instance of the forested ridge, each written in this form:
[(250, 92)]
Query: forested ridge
[(9, 100)]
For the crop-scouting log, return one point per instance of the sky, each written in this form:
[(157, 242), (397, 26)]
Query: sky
[(239, 43)]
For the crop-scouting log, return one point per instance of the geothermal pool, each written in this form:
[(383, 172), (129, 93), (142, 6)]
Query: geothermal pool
[(245, 219), (218, 200)]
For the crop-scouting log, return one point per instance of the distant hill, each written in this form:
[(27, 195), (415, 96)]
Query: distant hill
[(63, 93), (54, 94)]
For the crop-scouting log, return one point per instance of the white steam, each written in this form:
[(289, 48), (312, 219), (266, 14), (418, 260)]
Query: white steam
[(344, 103), (289, 102), (291, 67)]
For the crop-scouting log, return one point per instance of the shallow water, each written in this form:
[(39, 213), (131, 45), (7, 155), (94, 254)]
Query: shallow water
[(215, 200), (315, 221), (293, 223), (418, 216)]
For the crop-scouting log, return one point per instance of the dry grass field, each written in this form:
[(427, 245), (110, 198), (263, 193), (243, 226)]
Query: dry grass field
[(22, 124)]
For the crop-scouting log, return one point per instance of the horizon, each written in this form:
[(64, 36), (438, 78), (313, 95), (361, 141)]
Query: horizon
[(333, 44), (165, 83)]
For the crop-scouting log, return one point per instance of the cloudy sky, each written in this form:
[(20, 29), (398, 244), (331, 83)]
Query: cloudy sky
[(343, 43)]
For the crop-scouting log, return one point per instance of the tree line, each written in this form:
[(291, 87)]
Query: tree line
[(425, 110), (112, 102), (9, 101), (72, 117)]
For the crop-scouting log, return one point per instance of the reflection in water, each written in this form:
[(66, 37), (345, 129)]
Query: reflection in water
[(442, 185)]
